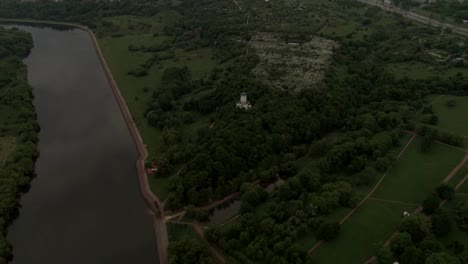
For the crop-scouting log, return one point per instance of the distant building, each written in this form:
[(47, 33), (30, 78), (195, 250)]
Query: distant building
[(151, 170), (243, 103)]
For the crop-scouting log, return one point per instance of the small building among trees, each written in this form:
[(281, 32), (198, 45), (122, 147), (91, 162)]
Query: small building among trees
[(243, 103)]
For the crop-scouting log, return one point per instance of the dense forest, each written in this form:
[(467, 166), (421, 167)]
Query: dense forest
[(18, 130), (346, 127)]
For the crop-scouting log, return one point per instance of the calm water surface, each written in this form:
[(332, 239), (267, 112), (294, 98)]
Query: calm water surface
[(84, 206)]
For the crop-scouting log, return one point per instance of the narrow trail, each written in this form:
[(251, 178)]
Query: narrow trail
[(437, 98), (448, 145), (212, 250), (456, 170), (323, 28), (419, 208), (391, 201), (237, 4), (210, 247), (440, 142), (219, 202), (461, 182), (370, 192)]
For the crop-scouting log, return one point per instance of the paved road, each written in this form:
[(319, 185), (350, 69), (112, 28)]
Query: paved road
[(417, 17)]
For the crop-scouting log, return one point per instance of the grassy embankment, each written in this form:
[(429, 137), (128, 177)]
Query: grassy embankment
[(137, 91)]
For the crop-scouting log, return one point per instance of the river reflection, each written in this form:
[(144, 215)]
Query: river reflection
[(84, 206)]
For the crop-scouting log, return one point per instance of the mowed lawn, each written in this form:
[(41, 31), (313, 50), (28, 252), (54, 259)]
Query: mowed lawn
[(409, 181), (416, 173), (452, 119), (370, 226)]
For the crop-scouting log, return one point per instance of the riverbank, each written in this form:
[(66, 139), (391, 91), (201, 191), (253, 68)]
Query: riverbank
[(152, 201)]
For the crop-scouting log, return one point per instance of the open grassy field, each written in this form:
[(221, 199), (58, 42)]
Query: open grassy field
[(372, 224), (411, 178), (309, 240), (7, 145), (416, 174), (453, 119)]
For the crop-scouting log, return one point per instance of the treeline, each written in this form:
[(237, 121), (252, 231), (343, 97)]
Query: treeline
[(84, 12), (418, 240), (18, 130), (188, 251)]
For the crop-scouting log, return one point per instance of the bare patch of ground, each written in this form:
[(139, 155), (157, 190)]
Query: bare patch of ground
[(289, 64)]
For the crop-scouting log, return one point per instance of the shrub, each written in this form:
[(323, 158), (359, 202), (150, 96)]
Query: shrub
[(445, 191)]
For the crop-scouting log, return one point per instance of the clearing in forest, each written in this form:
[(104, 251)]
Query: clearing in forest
[(292, 63), (371, 224), (409, 181), (452, 113), (416, 173)]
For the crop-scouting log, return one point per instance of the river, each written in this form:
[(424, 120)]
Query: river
[(84, 206)]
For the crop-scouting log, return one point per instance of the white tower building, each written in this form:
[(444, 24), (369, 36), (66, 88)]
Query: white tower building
[(243, 103)]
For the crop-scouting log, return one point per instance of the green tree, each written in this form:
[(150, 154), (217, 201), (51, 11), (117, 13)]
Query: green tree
[(441, 223), (188, 251), (384, 255), (430, 246), (445, 191), (462, 215), (400, 243), (412, 255), (417, 225), (431, 203), (5, 249), (442, 258)]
